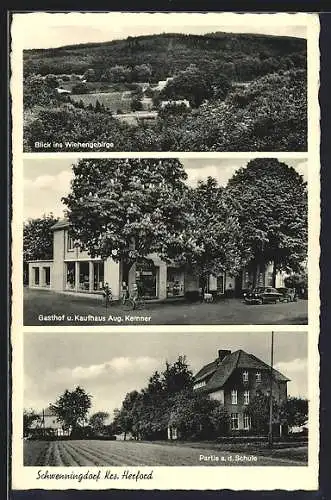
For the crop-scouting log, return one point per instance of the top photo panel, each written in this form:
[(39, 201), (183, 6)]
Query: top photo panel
[(139, 82)]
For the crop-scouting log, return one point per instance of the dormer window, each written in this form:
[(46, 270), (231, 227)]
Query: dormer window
[(245, 376), (199, 384), (258, 376)]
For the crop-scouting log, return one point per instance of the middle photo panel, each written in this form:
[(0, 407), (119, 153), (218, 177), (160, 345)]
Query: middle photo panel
[(145, 241)]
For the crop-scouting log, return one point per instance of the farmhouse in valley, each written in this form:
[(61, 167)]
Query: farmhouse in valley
[(73, 270), (178, 102), (48, 424), (233, 379)]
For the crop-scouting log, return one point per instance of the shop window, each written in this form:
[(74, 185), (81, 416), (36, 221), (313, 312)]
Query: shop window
[(84, 278), (175, 283), (98, 275), (70, 276)]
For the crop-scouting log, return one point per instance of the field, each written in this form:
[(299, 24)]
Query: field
[(87, 453), (114, 101)]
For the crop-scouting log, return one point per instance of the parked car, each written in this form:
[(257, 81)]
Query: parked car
[(263, 295), (288, 294)]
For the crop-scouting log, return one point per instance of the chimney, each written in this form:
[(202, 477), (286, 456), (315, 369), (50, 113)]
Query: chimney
[(222, 353)]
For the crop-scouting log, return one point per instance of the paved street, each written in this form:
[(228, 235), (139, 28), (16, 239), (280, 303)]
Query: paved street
[(131, 453), (51, 308)]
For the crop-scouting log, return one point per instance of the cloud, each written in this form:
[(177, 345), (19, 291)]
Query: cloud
[(57, 183), (114, 367)]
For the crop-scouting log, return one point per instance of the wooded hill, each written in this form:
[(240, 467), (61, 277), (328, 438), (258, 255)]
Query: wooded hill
[(239, 56)]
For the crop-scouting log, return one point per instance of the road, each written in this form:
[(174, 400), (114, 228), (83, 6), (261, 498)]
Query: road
[(39, 305), (131, 453)]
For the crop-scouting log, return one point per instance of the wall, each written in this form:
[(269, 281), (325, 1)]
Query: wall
[(112, 276), (58, 260), (41, 265)]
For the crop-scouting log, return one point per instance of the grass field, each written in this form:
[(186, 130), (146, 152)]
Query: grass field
[(87, 453)]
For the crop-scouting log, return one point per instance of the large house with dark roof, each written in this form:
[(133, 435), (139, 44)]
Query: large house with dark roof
[(73, 270), (234, 378)]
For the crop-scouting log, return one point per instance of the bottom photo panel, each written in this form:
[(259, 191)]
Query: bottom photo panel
[(165, 399)]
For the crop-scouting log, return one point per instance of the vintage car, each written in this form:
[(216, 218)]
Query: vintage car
[(263, 295), (288, 294)]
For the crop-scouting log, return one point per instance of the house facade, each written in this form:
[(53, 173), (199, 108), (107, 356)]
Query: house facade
[(73, 270), (48, 423), (234, 378)]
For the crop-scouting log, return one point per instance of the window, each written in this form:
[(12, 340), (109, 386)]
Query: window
[(258, 376), (36, 275), (245, 376), (47, 276), (98, 275), (70, 243), (246, 397), (247, 422), (234, 421), (70, 276), (234, 397)]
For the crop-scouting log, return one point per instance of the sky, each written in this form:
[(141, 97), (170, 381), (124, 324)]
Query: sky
[(46, 181), (108, 365), (56, 29)]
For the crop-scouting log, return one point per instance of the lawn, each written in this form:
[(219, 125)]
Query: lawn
[(86, 453), (111, 100), (79, 310)]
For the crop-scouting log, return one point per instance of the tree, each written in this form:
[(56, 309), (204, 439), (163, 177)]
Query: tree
[(37, 92), (71, 408), (177, 376), (270, 200), (127, 209), (211, 241), (29, 417), (258, 409), (97, 422), (296, 411), (38, 238), (191, 414), (220, 419), (190, 84)]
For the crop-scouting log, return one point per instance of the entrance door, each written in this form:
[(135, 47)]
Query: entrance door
[(146, 274)]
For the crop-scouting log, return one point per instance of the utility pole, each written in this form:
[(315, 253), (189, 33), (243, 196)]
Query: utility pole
[(270, 440)]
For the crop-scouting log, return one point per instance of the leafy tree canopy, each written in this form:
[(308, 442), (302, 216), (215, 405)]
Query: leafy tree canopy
[(72, 407), (270, 201), (38, 238), (127, 208)]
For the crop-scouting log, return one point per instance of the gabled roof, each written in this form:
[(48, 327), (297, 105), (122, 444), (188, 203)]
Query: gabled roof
[(220, 371), (60, 224)]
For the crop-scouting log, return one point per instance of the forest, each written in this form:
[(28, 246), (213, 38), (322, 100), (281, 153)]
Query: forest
[(216, 92)]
